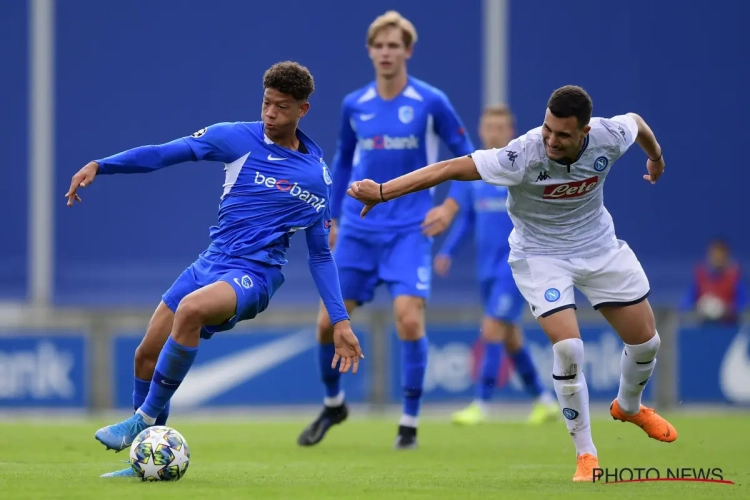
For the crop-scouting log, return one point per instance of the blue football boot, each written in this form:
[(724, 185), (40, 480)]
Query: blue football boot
[(120, 436)]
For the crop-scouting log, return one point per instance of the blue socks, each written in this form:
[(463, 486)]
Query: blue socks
[(493, 353), (331, 377), (140, 391), (527, 371), (173, 365), (413, 367)]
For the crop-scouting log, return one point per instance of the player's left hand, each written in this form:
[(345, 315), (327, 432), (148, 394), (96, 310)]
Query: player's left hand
[(367, 191), (437, 220), (655, 169), (347, 348)]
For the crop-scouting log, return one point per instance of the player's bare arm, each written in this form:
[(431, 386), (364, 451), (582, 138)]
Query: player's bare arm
[(371, 193), (647, 141)]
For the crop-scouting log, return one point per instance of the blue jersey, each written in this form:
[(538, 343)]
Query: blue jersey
[(483, 208), (270, 192), (382, 140)]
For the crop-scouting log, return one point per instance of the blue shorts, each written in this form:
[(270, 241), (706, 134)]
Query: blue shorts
[(501, 299), (253, 282), (401, 260)]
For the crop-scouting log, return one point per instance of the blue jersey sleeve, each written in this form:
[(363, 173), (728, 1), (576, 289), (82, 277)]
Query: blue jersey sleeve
[(145, 159), (214, 143), (219, 142), (324, 271), (342, 161), (449, 127), (464, 220)]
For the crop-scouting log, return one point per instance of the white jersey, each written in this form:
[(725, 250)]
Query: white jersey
[(556, 211)]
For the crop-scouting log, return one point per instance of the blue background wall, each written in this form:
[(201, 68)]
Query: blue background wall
[(138, 72)]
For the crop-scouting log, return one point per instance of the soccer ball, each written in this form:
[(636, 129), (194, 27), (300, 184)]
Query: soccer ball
[(159, 454)]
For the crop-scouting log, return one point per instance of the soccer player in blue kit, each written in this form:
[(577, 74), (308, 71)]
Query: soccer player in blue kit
[(388, 128), (482, 207), (276, 184)]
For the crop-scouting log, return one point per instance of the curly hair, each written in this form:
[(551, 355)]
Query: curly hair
[(290, 78)]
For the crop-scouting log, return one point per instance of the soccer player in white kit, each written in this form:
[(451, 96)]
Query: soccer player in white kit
[(564, 237)]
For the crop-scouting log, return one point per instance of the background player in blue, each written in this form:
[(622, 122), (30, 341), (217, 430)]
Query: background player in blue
[(388, 128), (276, 184), (483, 208)]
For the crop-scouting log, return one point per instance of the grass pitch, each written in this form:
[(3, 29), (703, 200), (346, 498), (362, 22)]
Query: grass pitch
[(262, 460)]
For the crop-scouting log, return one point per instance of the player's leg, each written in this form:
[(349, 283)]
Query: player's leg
[(546, 407), (493, 333), (406, 266), (236, 295), (356, 259), (506, 306), (547, 285), (334, 409), (147, 352), (618, 287), (211, 305)]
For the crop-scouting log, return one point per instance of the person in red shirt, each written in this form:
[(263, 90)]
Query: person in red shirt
[(718, 293)]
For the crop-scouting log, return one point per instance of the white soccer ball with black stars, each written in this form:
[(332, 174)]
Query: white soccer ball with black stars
[(159, 453)]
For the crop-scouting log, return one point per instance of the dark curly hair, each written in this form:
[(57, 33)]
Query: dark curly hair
[(290, 78)]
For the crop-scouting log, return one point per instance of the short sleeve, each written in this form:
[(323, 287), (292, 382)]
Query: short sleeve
[(504, 166), (624, 129), (216, 143)]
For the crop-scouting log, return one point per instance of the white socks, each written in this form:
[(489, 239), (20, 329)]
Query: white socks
[(637, 364), (335, 401), (572, 392)]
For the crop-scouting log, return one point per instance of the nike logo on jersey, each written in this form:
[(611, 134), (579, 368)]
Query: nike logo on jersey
[(365, 118), (272, 158)]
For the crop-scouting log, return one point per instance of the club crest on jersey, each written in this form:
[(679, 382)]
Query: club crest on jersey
[(406, 114), (327, 176), (200, 133), (600, 165)]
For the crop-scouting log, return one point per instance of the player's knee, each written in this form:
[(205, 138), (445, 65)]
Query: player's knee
[(646, 352), (493, 330), (410, 326), (190, 312)]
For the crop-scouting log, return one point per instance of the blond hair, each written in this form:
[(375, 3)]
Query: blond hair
[(499, 110), (393, 19)]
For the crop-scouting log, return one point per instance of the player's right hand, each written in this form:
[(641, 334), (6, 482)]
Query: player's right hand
[(81, 179), (442, 264), (366, 191), (347, 348)]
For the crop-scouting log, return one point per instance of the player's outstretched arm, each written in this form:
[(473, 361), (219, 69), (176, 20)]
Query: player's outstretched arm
[(648, 143), (371, 193), (220, 142), (133, 161), (326, 277)]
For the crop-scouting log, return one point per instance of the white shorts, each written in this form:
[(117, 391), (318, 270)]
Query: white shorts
[(615, 278)]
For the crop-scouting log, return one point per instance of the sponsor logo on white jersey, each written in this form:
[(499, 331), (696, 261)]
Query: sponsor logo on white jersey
[(570, 189)]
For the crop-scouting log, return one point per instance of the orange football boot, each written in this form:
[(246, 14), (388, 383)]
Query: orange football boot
[(647, 419), (585, 466)]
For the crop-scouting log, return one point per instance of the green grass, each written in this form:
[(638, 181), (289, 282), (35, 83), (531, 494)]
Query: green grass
[(262, 460)]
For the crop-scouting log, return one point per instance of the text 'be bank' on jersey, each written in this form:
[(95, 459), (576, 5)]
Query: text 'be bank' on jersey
[(270, 191), (382, 140)]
